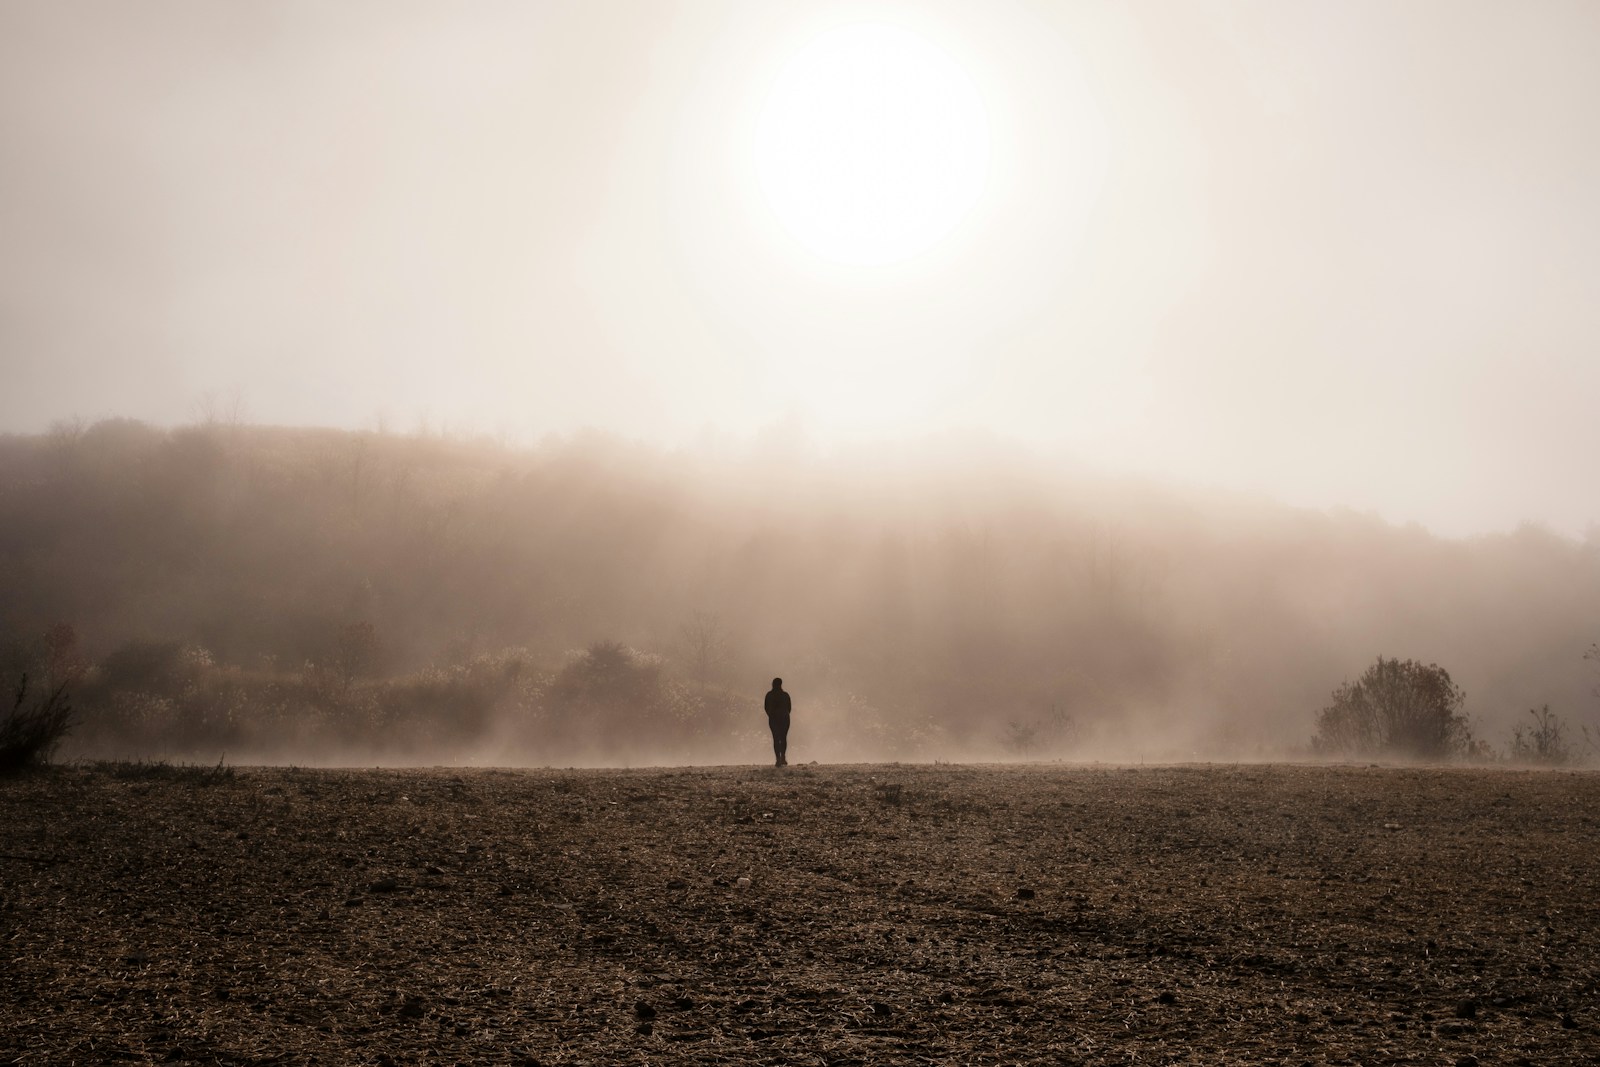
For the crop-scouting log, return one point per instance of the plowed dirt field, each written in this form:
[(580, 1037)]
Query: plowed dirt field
[(879, 914)]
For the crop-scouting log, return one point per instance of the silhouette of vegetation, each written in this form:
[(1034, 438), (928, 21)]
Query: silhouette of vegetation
[(260, 590), (1048, 735), (354, 653), (163, 771), (33, 728), (705, 643), (1021, 736), (1396, 708), (1544, 741)]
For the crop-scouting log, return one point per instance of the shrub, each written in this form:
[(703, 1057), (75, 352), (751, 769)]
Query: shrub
[(1396, 708), (1543, 742), (148, 666), (158, 692), (1021, 737), (33, 728), (1050, 734), (613, 696)]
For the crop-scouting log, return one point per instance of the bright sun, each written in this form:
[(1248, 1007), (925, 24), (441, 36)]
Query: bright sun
[(873, 145)]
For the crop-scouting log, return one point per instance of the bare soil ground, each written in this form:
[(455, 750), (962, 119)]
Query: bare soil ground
[(816, 915)]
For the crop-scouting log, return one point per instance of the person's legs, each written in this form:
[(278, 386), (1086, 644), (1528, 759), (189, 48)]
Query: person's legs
[(780, 739)]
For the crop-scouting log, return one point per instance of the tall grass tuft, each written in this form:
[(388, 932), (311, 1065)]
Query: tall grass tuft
[(161, 770)]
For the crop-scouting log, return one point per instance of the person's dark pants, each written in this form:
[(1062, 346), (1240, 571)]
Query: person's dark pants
[(780, 737)]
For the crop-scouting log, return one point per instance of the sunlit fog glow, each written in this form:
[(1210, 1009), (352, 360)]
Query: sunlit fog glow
[(849, 394), (873, 145), (533, 382), (1339, 253)]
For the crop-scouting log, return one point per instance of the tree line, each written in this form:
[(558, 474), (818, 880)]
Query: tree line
[(275, 589)]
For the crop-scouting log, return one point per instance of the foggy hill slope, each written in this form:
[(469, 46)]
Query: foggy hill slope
[(953, 598)]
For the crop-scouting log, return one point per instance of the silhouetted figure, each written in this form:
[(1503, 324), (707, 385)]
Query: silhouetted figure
[(778, 720)]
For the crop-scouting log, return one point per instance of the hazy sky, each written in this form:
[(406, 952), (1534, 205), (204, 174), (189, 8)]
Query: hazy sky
[(1341, 253)]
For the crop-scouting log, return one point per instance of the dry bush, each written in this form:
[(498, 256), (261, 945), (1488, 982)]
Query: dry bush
[(34, 727), (1543, 742)]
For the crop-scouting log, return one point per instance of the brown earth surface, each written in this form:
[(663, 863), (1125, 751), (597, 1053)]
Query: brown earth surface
[(814, 915)]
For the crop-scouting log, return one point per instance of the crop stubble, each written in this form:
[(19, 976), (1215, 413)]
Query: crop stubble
[(826, 915)]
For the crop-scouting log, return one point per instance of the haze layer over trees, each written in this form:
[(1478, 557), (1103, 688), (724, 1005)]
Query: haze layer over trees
[(306, 594)]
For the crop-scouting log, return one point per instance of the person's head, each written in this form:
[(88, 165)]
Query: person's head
[(777, 683)]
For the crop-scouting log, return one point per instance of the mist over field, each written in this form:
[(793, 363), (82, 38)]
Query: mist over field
[(325, 596), (533, 383), (1153, 442)]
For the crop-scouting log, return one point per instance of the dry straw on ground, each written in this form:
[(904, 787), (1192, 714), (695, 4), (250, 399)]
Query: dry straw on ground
[(819, 915)]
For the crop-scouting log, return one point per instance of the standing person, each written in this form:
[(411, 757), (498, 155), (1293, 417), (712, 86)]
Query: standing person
[(778, 719)]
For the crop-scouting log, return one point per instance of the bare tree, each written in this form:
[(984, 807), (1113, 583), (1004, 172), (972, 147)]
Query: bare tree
[(1591, 734), (222, 409), (353, 652), (705, 644)]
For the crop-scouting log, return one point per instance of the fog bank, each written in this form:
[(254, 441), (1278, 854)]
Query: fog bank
[(325, 596)]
